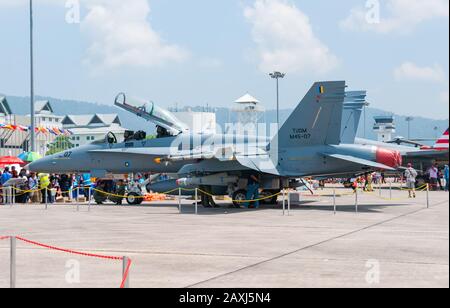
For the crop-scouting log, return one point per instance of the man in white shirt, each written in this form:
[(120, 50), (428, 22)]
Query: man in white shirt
[(433, 172)]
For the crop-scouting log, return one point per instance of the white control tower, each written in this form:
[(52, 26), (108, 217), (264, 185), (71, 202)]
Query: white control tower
[(384, 127), (249, 112)]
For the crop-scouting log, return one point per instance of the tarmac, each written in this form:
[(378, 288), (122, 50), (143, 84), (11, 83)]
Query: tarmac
[(388, 243)]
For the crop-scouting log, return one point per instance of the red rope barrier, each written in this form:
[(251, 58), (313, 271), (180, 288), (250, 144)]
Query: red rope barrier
[(4, 238), (84, 254), (125, 275)]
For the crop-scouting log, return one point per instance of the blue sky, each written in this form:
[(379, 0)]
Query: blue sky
[(202, 52)]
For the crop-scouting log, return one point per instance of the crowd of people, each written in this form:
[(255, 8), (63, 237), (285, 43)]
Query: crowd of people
[(48, 188), (35, 188), (438, 177)]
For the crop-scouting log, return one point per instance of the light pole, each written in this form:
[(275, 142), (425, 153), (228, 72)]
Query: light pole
[(277, 76), (409, 120), (33, 124)]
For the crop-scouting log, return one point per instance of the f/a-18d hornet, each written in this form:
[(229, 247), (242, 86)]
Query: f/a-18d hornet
[(308, 144)]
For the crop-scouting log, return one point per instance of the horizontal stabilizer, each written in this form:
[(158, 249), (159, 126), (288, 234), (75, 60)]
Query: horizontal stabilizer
[(428, 154), (360, 161)]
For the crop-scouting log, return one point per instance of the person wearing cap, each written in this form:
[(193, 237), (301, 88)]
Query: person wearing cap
[(411, 175)]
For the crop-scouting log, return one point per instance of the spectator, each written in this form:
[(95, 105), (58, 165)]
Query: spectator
[(355, 185), (411, 175), (86, 177), (440, 178), (6, 176), (65, 184), (44, 185), (433, 173), (22, 192), (14, 173), (383, 178), (33, 185), (252, 190), (446, 177)]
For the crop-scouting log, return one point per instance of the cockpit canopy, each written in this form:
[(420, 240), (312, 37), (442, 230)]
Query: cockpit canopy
[(152, 112)]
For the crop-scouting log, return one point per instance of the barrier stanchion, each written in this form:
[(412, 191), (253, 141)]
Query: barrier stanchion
[(428, 196), (356, 201), (390, 190), (90, 198), (13, 196), (46, 198), (334, 201), (379, 189), (196, 201), (6, 191), (12, 269), (125, 273), (289, 202), (71, 196), (179, 200), (284, 202), (77, 198)]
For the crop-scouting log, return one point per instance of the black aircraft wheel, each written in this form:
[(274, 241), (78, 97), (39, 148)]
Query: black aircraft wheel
[(134, 199), (239, 195), (273, 200)]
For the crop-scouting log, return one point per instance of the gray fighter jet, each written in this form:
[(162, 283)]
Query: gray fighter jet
[(310, 143)]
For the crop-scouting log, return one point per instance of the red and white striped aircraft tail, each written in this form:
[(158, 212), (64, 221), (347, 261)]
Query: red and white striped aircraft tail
[(442, 143)]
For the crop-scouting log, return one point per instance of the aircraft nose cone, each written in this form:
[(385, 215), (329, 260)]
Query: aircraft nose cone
[(42, 165), (389, 158), (33, 167)]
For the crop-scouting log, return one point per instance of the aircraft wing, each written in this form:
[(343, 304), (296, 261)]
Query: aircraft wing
[(429, 154), (360, 161), (260, 163)]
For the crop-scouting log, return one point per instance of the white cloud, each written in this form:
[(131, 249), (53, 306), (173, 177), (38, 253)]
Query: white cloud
[(121, 35), (118, 33), (411, 71), (285, 39), (400, 16)]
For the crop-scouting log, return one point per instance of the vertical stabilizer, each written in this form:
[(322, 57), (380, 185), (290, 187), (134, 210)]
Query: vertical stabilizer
[(316, 120)]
